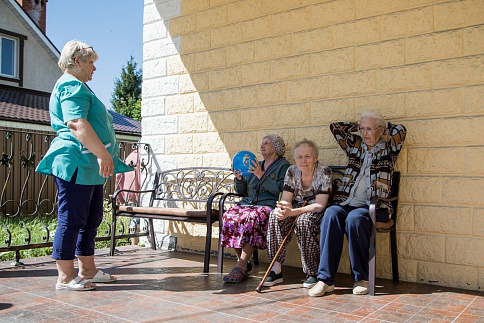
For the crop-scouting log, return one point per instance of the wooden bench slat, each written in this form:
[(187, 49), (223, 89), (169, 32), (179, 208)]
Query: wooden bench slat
[(165, 211)]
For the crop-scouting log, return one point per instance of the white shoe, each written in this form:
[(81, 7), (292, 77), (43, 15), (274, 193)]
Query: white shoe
[(360, 287), (320, 289)]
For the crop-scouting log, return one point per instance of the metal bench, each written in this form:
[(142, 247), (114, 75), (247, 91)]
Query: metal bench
[(182, 194)]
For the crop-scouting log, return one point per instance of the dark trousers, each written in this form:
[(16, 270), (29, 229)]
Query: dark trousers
[(80, 212), (356, 224)]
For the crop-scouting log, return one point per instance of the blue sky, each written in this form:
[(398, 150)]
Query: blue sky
[(113, 27)]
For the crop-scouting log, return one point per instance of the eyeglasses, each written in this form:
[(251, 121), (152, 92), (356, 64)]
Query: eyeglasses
[(367, 130)]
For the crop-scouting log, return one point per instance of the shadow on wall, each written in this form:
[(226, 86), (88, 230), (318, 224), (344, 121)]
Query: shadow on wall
[(237, 71)]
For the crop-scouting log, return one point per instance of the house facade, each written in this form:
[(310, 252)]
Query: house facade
[(29, 59), (28, 72), (221, 74)]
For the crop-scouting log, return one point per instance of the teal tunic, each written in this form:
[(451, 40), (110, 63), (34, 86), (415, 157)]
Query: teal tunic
[(71, 99)]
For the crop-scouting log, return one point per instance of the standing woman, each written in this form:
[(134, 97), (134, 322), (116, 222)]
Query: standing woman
[(307, 187), (244, 226), (80, 158)]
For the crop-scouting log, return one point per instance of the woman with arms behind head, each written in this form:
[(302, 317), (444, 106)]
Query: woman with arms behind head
[(371, 159), (80, 158), (244, 226), (307, 187)]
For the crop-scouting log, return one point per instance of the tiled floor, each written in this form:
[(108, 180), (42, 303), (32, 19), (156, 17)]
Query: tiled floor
[(164, 286)]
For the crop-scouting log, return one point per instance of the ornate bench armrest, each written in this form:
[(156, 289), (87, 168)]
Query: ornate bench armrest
[(115, 194), (222, 200), (210, 205)]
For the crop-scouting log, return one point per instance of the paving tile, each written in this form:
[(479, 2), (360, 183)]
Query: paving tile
[(452, 302), (476, 307), (465, 318), (395, 312), (433, 315)]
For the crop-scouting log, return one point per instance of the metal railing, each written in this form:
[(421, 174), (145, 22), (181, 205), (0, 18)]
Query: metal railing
[(28, 200)]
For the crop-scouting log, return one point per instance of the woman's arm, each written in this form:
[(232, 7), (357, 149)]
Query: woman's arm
[(82, 130), (285, 209), (241, 186), (397, 134), (343, 133)]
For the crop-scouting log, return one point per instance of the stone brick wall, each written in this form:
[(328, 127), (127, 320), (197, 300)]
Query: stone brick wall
[(220, 74)]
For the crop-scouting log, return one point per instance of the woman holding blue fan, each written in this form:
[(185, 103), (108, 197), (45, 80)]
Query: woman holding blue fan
[(245, 225)]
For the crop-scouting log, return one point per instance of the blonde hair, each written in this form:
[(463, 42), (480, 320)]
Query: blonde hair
[(73, 49)]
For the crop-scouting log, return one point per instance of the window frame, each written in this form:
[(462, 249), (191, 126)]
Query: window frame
[(18, 57)]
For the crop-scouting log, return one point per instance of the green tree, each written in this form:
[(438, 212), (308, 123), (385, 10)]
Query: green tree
[(126, 98)]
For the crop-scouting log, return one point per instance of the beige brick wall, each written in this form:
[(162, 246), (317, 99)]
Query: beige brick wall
[(220, 74)]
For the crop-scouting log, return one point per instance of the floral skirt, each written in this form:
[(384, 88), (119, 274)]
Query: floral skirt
[(245, 224)]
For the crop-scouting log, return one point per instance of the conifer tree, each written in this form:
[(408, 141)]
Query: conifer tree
[(126, 99)]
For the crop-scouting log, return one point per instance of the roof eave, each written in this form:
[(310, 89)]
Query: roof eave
[(36, 31)]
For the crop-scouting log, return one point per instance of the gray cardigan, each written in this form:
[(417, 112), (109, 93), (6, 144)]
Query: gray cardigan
[(264, 191)]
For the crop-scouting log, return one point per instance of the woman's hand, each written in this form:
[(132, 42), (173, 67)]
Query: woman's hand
[(255, 169), (83, 131), (106, 166), (237, 174), (283, 210)]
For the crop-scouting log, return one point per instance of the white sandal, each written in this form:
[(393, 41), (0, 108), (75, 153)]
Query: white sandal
[(77, 284), (102, 277)]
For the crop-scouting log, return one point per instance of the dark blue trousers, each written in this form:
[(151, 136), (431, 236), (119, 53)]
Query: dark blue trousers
[(80, 212), (356, 224)]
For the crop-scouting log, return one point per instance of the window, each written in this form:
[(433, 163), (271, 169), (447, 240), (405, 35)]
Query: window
[(9, 56), (12, 56)]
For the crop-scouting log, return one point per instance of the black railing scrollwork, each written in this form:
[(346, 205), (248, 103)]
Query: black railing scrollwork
[(28, 200)]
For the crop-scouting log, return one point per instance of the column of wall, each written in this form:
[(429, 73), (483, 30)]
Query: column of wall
[(220, 74)]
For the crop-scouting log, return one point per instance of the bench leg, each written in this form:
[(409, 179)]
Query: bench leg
[(113, 235), (220, 259), (372, 263), (208, 246), (220, 254), (152, 234), (255, 257), (393, 246)]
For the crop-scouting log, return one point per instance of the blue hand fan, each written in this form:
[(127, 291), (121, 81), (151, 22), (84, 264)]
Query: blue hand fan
[(242, 161)]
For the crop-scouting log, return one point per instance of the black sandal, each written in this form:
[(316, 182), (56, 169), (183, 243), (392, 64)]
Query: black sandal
[(235, 276)]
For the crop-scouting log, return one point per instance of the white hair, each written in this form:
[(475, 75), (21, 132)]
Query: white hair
[(73, 49), (375, 115)]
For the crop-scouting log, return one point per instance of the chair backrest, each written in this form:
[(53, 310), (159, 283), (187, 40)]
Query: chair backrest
[(191, 187), (394, 193)]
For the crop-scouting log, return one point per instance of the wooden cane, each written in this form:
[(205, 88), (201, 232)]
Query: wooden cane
[(259, 288)]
